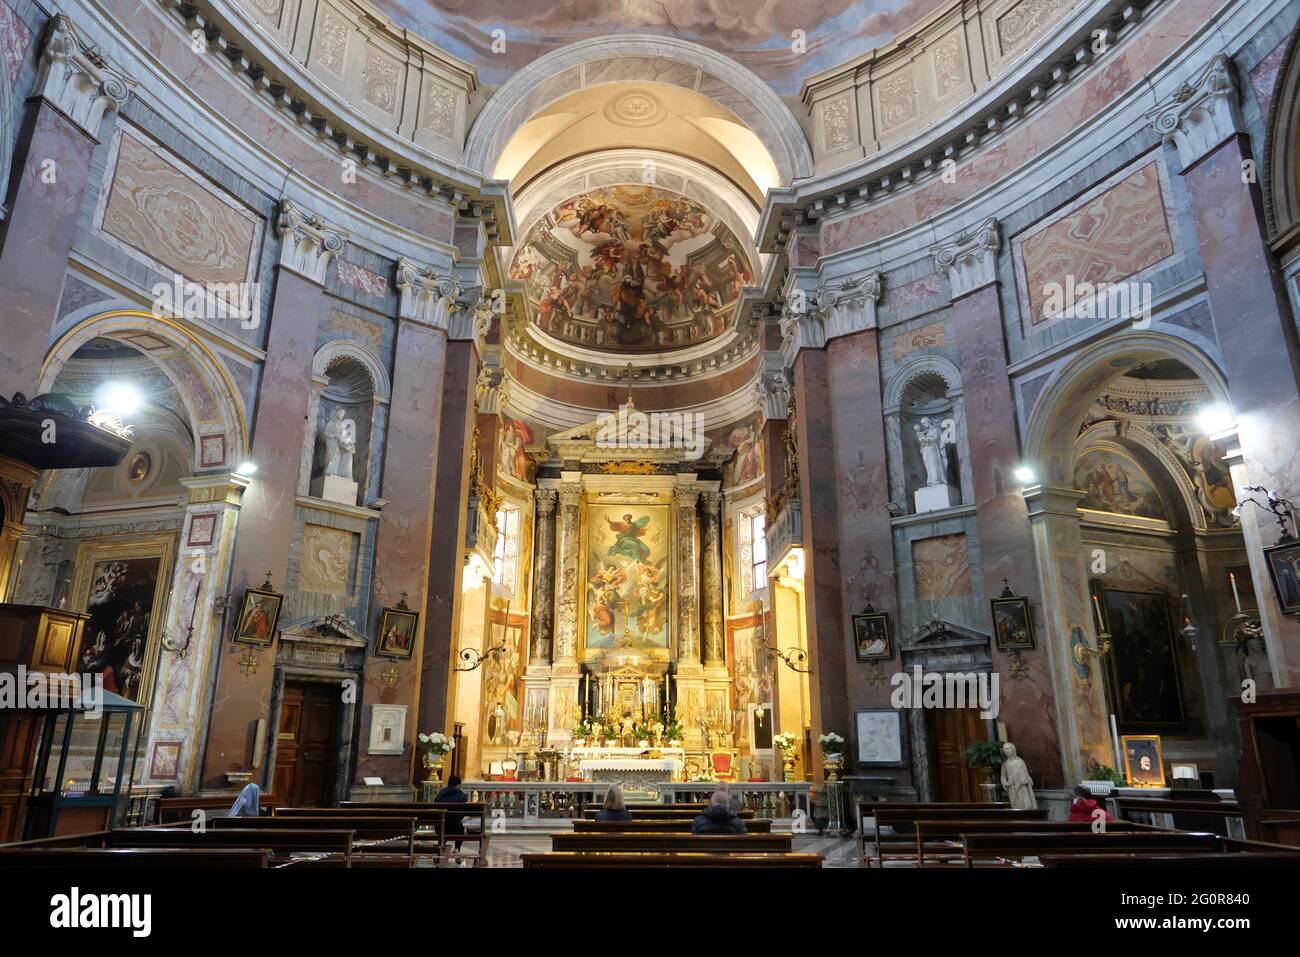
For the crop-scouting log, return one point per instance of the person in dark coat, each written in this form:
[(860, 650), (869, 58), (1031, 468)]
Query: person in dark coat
[(718, 817), (452, 794), (614, 809)]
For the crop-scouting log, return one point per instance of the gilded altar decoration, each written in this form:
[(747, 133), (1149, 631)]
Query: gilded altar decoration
[(436, 747), (627, 576)]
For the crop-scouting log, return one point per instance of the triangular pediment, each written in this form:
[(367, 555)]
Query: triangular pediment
[(324, 630), (630, 435), (937, 633)]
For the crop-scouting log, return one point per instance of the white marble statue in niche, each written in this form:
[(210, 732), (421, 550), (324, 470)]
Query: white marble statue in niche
[(340, 445), (937, 493)]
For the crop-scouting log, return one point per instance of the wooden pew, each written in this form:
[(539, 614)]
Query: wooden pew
[(902, 821), (667, 812), (1280, 826), (596, 859), (456, 811), (376, 841), (756, 825), (633, 842), (998, 847), (175, 809), (865, 809), (941, 840), (306, 848), (168, 858), (1244, 859), (1183, 815), (430, 823)]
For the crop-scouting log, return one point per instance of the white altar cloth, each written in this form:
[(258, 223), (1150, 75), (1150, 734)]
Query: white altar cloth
[(629, 759)]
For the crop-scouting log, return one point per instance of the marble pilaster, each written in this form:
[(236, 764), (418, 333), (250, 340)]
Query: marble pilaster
[(715, 654), (543, 579), (685, 500), (569, 562)]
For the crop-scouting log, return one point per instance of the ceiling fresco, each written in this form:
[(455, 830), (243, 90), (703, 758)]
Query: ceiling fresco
[(631, 269), (500, 38)]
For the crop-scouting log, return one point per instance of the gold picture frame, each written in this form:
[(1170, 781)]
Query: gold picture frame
[(1137, 747), (101, 565), (265, 603)]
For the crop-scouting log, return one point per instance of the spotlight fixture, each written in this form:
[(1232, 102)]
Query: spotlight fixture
[(1214, 419), (1024, 475), (119, 398), (246, 469)]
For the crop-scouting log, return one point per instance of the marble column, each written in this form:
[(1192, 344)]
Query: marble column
[(1068, 621), (193, 623), (1006, 544), (75, 87), (405, 527), (242, 696), (543, 579), (444, 590), (715, 653), (1252, 316), (569, 561), (685, 500)]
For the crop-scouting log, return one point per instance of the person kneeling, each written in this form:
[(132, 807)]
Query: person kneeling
[(718, 817)]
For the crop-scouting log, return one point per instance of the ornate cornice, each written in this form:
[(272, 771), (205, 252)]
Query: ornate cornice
[(76, 78), (1200, 114), (970, 259), (306, 243), (425, 296)]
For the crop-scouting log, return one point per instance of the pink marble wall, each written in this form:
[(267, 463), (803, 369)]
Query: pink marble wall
[(1254, 325), (865, 535), (451, 495), (36, 238), (14, 37), (405, 525), (1006, 545), (265, 519)]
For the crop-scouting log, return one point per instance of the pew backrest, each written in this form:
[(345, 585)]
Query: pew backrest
[(152, 858), (588, 860), (635, 842), (1000, 845), (758, 825)]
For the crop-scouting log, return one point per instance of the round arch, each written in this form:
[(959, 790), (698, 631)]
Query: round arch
[(331, 352), (1064, 402), (212, 400), (640, 58), (1282, 148)]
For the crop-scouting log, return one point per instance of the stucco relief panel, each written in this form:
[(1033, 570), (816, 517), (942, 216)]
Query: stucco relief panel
[(941, 568)]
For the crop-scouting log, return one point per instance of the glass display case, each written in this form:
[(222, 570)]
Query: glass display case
[(85, 762)]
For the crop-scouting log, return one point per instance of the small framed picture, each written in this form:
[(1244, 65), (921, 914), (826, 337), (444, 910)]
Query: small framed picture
[(871, 636), (1143, 764), (1012, 628), (258, 616), (397, 633), (1284, 568)]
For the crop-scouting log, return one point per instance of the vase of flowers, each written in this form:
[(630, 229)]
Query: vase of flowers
[(832, 746), (436, 747), (785, 744)]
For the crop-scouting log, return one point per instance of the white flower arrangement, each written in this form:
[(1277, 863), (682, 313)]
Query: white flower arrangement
[(435, 742), (831, 743), (784, 741)]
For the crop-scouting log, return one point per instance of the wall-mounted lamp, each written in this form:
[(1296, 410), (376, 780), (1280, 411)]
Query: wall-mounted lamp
[(1025, 475), (246, 469), (1215, 419)]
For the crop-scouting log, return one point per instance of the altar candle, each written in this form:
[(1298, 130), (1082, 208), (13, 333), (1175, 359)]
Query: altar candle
[(1235, 597), (1096, 605)]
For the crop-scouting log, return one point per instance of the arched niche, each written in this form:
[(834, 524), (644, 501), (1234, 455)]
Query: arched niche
[(1281, 172), (349, 385), (925, 388)]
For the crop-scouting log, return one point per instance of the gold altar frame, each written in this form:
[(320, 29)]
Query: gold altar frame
[(92, 551), (633, 499)]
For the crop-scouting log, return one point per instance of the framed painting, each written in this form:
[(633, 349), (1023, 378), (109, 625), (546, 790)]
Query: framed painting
[(122, 585), (1013, 629), (1142, 666), (872, 640), (259, 613), (627, 584), (881, 738), (1143, 762), (1284, 569), (397, 629)]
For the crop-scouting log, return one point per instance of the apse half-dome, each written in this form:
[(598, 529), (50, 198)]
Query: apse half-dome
[(631, 269)]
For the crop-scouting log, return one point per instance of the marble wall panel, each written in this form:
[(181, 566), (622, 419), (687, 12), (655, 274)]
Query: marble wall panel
[(326, 561), (941, 568)]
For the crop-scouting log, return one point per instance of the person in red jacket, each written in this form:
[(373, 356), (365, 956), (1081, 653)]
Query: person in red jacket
[(1081, 810)]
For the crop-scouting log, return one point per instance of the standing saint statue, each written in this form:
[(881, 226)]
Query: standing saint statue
[(340, 445), (1016, 780), (934, 455)]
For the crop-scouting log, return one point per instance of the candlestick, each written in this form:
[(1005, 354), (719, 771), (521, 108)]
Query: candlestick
[(1101, 623), (1235, 596)]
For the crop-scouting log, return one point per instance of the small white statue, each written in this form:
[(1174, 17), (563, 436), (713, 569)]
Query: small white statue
[(934, 454), (1016, 780), (340, 445)]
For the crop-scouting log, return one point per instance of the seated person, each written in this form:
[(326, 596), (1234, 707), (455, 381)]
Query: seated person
[(718, 817), (614, 809), (452, 794), (1083, 806), (248, 803)]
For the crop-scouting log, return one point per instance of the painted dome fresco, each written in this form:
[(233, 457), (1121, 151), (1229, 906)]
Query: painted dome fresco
[(631, 269)]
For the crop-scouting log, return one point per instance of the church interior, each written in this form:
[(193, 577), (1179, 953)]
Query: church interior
[(859, 434)]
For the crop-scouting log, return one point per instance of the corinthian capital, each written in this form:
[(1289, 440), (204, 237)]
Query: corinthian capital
[(1201, 113), (426, 296), (77, 79), (970, 258), (306, 243), (849, 305)]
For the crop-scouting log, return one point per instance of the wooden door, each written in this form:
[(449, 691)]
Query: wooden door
[(307, 750), (951, 731)]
